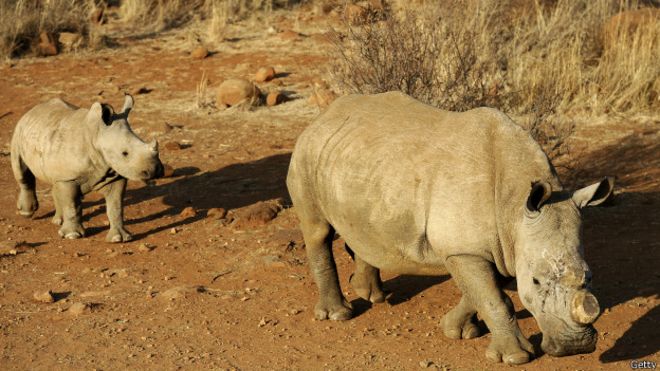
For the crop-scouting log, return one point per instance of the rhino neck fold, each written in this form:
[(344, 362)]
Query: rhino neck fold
[(519, 162)]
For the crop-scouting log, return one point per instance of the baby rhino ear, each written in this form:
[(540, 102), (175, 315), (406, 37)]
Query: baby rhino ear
[(594, 194), (128, 104), (102, 112)]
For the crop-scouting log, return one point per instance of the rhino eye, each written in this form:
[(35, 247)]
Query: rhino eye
[(125, 154), (536, 282)]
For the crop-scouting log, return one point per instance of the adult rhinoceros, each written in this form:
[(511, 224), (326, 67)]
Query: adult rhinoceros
[(417, 190)]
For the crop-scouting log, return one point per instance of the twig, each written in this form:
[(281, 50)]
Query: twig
[(221, 274)]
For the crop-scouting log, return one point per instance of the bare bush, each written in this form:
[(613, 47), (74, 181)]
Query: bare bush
[(536, 60)]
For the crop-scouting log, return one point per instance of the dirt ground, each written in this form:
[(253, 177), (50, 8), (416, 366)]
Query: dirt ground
[(193, 291)]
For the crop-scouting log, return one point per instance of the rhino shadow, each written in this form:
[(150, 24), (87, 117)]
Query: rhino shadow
[(620, 240), (230, 187), (403, 288)]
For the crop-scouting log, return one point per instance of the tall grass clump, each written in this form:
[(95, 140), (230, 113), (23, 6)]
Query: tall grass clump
[(22, 21), (531, 59), (160, 15)]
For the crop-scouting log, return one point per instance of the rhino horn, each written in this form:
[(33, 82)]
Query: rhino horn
[(585, 308), (153, 145)]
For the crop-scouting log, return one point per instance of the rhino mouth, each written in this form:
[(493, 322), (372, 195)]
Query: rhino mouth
[(157, 172), (570, 343)]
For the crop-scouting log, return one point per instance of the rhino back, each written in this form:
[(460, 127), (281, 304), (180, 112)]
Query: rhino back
[(53, 140), (406, 184)]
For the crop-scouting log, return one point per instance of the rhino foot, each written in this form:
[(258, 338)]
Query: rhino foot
[(368, 288), (71, 232), (467, 329), (57, 219), (27, 204), (513, 350), (335, 311), (118, 235), (460, 323)]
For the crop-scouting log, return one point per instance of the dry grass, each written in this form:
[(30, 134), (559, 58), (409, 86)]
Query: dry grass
[(21, 22), (201, 93), (158, 15), (526, 58)]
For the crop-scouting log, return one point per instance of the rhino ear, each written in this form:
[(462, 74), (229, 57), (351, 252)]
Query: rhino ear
[(540, 193), (128, 104), (594, 194), (103, 112)]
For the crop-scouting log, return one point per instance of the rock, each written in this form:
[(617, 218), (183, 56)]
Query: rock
[(44, 296), (70, 41), (168, 171), (173, 146), (377, 5), (621, 27), (322, 97), (216, 213), (47, 46), (259, 213), (174, 230), (274, 98), (237, 91), (289, 35), (199, 52), (188, 212), (180, 292), (146, 247), (356, 14), (77, 309), (264, 74)]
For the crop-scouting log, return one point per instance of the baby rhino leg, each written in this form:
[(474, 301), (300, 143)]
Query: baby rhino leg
[(27, 202), (69, 199)]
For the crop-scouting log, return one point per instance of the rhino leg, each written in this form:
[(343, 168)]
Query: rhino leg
[(318, 241), (57, 218), (27, 202), (476, 279), (114, 196), (460, 322), (366, 281), (69, 198)]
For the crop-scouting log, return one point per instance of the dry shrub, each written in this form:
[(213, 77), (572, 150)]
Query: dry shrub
[(158, 15), (21, 22), (535, 59)]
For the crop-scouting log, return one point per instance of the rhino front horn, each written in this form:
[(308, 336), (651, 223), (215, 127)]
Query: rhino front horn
[(585, 308), (153, 145)]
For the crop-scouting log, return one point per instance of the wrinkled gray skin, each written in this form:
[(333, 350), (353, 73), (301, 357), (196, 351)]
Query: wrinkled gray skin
[(417, 190), (78, 151)]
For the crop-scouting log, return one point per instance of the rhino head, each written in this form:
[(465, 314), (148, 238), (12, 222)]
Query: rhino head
[(553, 278), (124, 151)]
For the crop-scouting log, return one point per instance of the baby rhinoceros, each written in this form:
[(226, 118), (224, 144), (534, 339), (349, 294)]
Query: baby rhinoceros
[(417, 190), (77, 151)]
